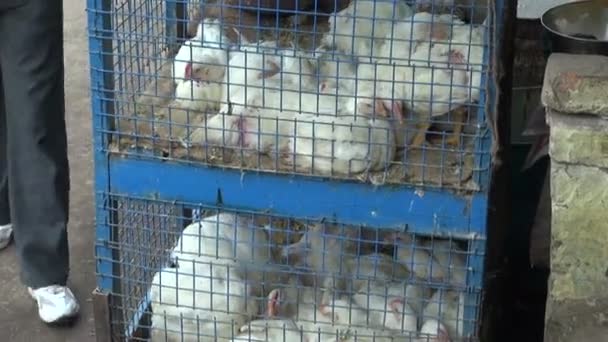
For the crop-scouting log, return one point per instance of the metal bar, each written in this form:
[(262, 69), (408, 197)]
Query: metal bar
[(181, 14), (138, 316), (102, 83), (433, 212), (483, 139), (171, 29), (472, 305), (101, 309), (102, 108)]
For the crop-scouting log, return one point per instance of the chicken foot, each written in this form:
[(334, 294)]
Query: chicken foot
[(459, 116), (420, 137)]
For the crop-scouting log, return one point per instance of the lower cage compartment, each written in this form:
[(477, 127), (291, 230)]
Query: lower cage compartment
[(184, 272)]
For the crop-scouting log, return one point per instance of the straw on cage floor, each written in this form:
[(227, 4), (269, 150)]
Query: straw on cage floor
[(158, 122)]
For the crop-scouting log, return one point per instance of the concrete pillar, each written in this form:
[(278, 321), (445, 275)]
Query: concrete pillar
[(575, 93)]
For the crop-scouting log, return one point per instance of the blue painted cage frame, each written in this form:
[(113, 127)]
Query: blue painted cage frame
[(428, 211)]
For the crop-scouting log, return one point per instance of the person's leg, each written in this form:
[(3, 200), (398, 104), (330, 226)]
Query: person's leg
[(31, 60), (6, 228)]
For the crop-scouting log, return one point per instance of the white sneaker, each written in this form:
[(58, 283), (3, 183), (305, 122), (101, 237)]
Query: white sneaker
[(56, 304), (6, 232)]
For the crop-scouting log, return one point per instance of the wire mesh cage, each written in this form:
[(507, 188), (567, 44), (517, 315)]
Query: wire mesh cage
[(284, 123), (377, 91), (249, 276)]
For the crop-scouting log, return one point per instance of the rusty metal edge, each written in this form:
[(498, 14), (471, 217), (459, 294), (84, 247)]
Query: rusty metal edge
[(101, 312)]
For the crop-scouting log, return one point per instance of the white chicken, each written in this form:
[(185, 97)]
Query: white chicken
[(199, 68), (223, 237), (426, 89), (341, 145), (370, 303), (447, 307), (469, 43), (375, 266), (276, 96), (324, 144), (203, 300), (270, 330), (399, 45), (336, 69), (454, 68), (208, 49), (433, 64), (362, 25), (433, 331), (379, 90), (254, 66), (252, 129), (388, 306), (379, 274), (318, 319), (293, 315), (198, 95), (398, 304), (325, 250), (451, 259), (229, 239), (415, 257)]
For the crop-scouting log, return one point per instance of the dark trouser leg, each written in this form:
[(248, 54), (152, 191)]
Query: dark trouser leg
[(5, 213), (31, 60)]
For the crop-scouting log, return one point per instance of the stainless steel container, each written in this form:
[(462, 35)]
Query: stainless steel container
[(579, 27)]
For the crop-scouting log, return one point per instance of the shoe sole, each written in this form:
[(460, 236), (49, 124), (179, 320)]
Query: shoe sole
[(67, 321)]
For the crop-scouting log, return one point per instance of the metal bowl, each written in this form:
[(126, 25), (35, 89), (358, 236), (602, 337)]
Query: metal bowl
[(579, 27)]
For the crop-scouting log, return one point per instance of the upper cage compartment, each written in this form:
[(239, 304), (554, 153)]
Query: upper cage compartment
[(387, 92)]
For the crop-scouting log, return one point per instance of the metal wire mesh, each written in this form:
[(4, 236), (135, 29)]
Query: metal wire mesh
[(379, 91), (142, 230), (250, 276)]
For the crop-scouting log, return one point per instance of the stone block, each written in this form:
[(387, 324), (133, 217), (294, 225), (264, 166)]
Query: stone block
[(578, 139), (579, 253), (576, 84), (577, 320)]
